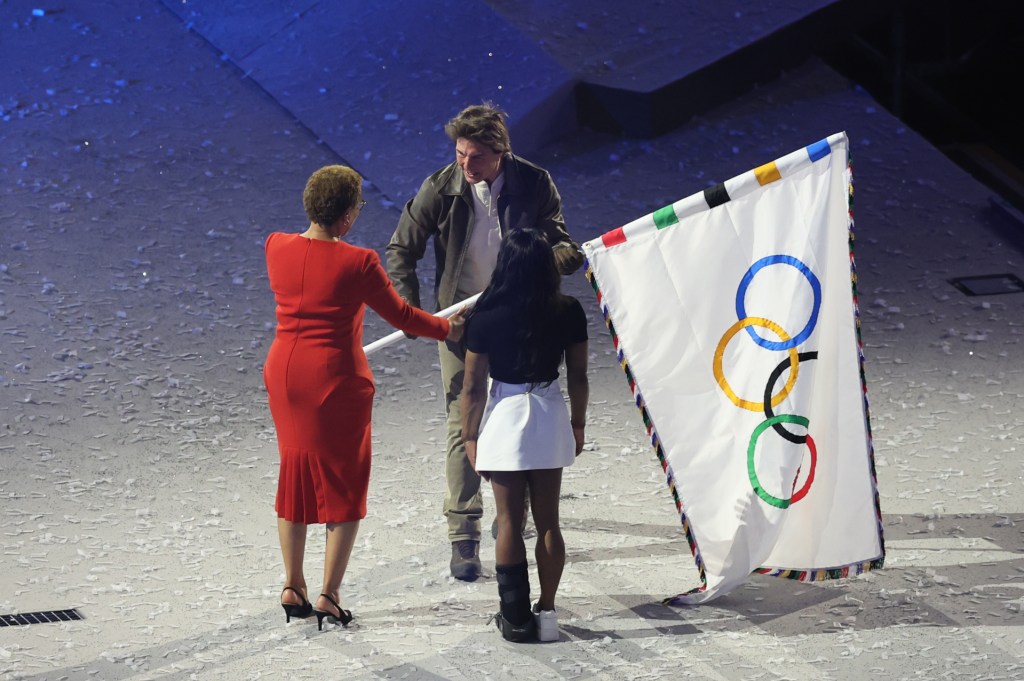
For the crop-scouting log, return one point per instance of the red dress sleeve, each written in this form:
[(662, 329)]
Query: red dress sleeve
[(382, 297)]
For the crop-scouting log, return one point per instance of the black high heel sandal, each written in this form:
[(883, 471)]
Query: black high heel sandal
[(293, 610), (343, 618)]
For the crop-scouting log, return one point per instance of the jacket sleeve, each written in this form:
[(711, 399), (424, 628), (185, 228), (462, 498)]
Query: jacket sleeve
[(409, 242), (549, 210), (551, 221)]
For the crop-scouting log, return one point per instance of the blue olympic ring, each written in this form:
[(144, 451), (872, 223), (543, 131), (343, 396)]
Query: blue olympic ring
[(741, 311)]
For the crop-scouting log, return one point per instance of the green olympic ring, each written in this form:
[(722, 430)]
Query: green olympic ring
[(752, 471)]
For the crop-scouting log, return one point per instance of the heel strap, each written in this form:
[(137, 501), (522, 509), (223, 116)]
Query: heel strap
[(335, 604), (296, 592), (343, 616)]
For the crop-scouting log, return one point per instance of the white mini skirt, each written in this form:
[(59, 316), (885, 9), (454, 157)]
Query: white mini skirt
[(525, 429)]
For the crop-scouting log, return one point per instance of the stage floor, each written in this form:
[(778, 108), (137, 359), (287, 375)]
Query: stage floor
[(140, 175)]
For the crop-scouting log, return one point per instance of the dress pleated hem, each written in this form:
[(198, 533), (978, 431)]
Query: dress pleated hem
[(312, 495)]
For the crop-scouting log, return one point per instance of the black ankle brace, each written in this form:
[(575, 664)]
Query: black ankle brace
[(514, 593)]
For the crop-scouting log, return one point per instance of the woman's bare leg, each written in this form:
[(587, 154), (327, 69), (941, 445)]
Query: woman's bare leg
[(509, 495), (545, 487), (293, 549), (341, 537)]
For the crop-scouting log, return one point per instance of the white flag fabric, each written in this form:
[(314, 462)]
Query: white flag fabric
[(734, 314)]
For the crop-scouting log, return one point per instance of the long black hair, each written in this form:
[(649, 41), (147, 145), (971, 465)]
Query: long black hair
[(525, 278)]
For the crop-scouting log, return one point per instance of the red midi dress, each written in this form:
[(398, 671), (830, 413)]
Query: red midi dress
[(319, 384)]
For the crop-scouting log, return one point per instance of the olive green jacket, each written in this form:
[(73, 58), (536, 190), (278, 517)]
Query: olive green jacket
[(443, 209)]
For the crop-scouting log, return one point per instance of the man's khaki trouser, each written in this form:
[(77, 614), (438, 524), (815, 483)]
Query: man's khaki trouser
[(463, 504)]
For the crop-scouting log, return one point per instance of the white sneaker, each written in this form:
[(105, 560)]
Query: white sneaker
[(547, 624)]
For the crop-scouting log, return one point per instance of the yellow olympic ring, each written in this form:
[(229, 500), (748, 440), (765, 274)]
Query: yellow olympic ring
[(794, 363)]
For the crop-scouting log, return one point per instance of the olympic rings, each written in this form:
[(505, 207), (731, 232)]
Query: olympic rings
[(789, 344), (794, 363), (741, 311)]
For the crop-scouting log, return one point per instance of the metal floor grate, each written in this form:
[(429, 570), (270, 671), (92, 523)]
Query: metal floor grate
[(988, 285), (43, 617)]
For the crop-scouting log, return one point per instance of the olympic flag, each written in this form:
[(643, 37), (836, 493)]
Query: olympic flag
[(734, 315)]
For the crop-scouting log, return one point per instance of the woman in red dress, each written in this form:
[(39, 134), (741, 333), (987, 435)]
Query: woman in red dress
[(319, 384)]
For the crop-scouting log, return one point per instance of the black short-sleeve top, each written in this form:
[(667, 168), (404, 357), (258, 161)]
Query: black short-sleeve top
[(495, 333)]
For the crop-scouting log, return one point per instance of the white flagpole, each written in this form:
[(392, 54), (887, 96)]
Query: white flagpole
[(392, 338)]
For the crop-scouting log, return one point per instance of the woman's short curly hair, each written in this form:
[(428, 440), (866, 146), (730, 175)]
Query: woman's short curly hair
[(331, 192), (482, 123)]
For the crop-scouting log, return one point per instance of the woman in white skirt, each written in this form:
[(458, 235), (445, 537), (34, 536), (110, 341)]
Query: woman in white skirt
[(518, 433)]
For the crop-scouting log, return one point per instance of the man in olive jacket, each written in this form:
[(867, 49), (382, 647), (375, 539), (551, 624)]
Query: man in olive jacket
[(467, 207)]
